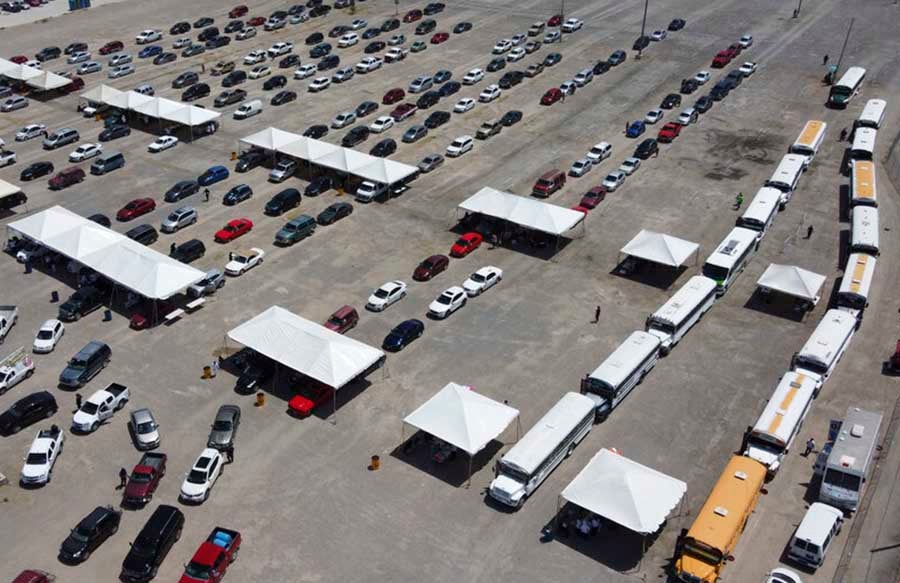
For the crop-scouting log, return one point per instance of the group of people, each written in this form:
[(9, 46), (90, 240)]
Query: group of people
[(585, 524)]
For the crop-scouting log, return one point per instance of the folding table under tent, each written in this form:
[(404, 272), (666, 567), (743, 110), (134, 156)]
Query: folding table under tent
[(660, 248), (793, 281), (463, 418)]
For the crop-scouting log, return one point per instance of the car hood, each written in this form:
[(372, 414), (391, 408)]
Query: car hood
[(34, 471), (136, 489), (82, 418), (421, 272), (234, 266), (376, 301), (42, 344), (191, 489), (393, 340), (470, 285), (217, 437), (457, 248), (72, 547), (151, 437), (136, 564), (69, 375), (438, 307)]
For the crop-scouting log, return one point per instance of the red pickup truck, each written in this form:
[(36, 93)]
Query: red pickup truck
[(144, 479), (211, 560)]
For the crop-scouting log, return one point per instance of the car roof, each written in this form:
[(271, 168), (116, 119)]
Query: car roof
[(50, 324), (142, 415), (453, 290)]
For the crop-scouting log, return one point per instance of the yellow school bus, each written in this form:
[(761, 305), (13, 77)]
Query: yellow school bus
[(703, 551)]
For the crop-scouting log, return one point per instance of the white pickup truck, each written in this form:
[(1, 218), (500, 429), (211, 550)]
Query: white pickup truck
[(9, 315), (99, 407), (42, 455), (15, 368)]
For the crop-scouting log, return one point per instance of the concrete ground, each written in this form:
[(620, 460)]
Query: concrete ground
[(299, 491)]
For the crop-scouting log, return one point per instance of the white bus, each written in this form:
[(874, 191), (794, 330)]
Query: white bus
[(862, 183), (850, 459), (809, 140), (684, 309), (730, 258), (863, 147), (846, 89), (621, 371), (872, 114), (787, 176), (853, 295), (761, 211), (825, 347), (535, 456), (771, 436), (864, 230)]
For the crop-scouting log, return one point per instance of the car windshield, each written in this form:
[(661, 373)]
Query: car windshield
[(444, 299), (45, 335), (80, 535), (89, 408), (477, 278), (146, 427), (239, 259), (36, 459), (195, 571), (221, 425), (196, 477), (140, 477), (77, 364)]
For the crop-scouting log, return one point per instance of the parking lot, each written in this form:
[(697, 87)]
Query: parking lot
[(299, 491)]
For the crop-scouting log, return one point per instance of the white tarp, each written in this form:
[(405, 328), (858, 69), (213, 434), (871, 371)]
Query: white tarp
[(47, 80), (523, 211), (660, 248), (159, 107), (793, 281), (156, 107), (462, 417), (271, 139), (6, 65), (306, 347), (128, 263), (624, 491), (192, 116), (7, 188), (101, 94), (128, 100), (21, 72)]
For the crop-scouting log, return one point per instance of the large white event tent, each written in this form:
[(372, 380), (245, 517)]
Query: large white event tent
[(115, 256), (625, 492), (463, 418), (527, 212), (158, 108), (660, 248), (7, 188), (792, 281), (32, 76)]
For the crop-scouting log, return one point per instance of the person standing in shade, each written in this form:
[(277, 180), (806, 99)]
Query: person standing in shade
[(229, 454), (206, 195), (78, 401), (824, 60), (172, 248), (123, 478)]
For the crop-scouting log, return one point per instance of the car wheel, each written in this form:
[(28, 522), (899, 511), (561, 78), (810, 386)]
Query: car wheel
[(29, 373), (570, 449), (114, 530), (94, 426)]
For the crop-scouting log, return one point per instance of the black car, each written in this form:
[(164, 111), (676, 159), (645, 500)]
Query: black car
[(195, 92), (736, 77), (511, 79), (703, 104), (441, 76), (319, 10), (642, 42), (334, 213), (670, 101), (75, 47), (250, 160), (189, 251), (404, 333), (152, 544), (511, 118), (296, 10), (275, 82), (601, 67), (436, 119), (688, 86), (371, 33), (496, 64), (36, 170), (180, 28), (255, 371), (27, 410), (208, 34), (339, 30), (48, 53), (355, 136), (181, 189), (365, 108), (203, 22), (314, 39), (114, 132), (428, 99), (374, 47), (234, 26), (100, 219), (426, 26), (329, 62), (219, 41), (289, 61), (320, 50), (237, 194), (462, 27), (449, 88), (279, 15), (318, 185), (315, 131), (552, 59), (720, 91), (433, 8), (283, 97), (384, 148), (229, 97), (646, 149), (164, 58), (234, 78), (617, 58), (185, 79), (390, 24), (287, 199), (677, 24)]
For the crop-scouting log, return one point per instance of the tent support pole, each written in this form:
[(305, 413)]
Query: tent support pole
[(469, 482), (334, 407), (556, 516), (518, 428)]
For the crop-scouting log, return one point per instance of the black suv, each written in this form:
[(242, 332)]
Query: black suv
[(496, 64), (670, 101), (384, 148), (250, 160), (703, 104), (315, 131), (374, 47), (601, 67), (26, 411), (688, 86), (82, 302), (646, 149), (320, 50), (428, 99), (282, 202), (390, 24), (329, 62), (90, 533), (355, 136), (48, 53), (152, 544), (36, 170), (511, 79), (318, 185), (208, 33), (426, 26), (185, 79), (641, 43), (188, 251), (436, 119), (218, 42), (720, 91), (736, 77), (234, 78), (314, 38), (195, 92), (144, 234), (276, 82)]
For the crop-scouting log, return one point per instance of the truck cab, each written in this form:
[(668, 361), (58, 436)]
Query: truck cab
[(15, 368), (211, 561), (144, 479)]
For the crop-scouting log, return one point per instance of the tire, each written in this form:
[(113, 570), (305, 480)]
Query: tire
[(29, 373), (94, 426), (114, 530), (570, 449)]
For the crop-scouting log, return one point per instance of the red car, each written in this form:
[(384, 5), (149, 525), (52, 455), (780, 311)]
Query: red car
[(412, 15), (144, 478), (551, 96), (393, 96), (136, 208), (593, 197), (111, 47), (403, 111), (734, 49), (466, 244), (233, 230), (256, 21), (67, 177), (311, 395), (33, 576), (555, 20), (431, 267), (212, 559), (345, 318), (669, 132), (19, 59), (238, 11), (439, 37), (721, 59), (581, 209)]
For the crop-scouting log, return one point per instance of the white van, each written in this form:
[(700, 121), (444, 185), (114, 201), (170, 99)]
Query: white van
[(599, 152), (853, 294), (825, 346), (731, 257), (863, 147), (809, 140), (761, 211), (862, 183), (787, 175), (872, 114), (848, 464), (684, 309), (817, 530), (524, 467), (771, 436), (248, 109), (621, 371), (864, 230)]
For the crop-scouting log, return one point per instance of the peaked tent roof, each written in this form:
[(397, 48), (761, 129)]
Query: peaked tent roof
[(22, 72), (624, 491), (527, 212), (306, 347), (6, 65), (128, 100), (159, 107), (7, 188), (271, 138), (101, 93), (191, 115), (462, 417), (47, 80), (792, 280), (660, 248)]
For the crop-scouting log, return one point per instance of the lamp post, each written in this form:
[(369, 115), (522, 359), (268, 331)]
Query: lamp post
[(643, 27)]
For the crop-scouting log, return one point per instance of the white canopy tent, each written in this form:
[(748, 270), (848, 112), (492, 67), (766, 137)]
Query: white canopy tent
[(624, 491), (660, 248), (792, 281), (115, 256), (527, 212), (47, 81), (101, 94), (158, 108), (32, 76), (7, 188)]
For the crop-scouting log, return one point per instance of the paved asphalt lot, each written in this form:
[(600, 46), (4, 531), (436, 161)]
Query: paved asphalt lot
[(299, 491)]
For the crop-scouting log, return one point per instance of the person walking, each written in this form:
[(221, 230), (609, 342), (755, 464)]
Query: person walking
[(206, 195), (215, 367), (596, 314), (172, 248), (825, 60), (78, 401), (809, 231), (739, 200), (229, 454), (810, 447), (123, 478), (843, 135)]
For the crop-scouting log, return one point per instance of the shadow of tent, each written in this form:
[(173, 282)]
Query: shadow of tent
[(416, 452), (776, 304), (652, 274)]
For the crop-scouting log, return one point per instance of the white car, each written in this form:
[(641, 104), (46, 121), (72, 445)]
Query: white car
[(395, 55), (658, 35), (184, 42), (42, 454), (78, 57), (584, 77), (482, 280), (552, 37), (653, 116), (387, 294), (600, 152), (85, 151), (48, 336), (517, 39), (613, 180), (383, 123), (260, 71), (687, 117), (319, 84), (343, 119), (746, 41), (31, 131), (747, 68), (348, 40), (254, 57), (464, 105), (369, 64), (581, 167), (7, 158), (304, 71), (99, 407), (702, 77), (473, 77), (239, 263), (517, 54), (280, 48), (203, 475), (148, 36), (89, 67), (163, 143), (782, 575), (629, 165), (571, 25), (568, 87), (358, 24), (120, 71), (489, 93), (244, 34), (460, 146), (396, 40), (502, 46), (119, 59), (343, 74), (13, 103), (448, 302)]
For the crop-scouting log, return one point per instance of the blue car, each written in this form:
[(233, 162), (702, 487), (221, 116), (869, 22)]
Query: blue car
[(403, 334), (151, 51), (635, 129), (213, 175)]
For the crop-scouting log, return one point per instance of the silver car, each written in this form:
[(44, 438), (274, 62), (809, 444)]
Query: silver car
[(121, 71), (119, 59), (144, 429), (14, 103), (79, 57), (430, 162), (178, 219), (213, 281), (225, 427), (89, 67)]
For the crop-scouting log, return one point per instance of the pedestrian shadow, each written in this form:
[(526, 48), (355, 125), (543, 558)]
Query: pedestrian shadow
[(417, 452)]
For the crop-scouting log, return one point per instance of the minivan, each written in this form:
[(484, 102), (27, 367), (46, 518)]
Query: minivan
[(189, 251), (816, 532), (549, 183), (80, 303), (296, 229), (144, 234), (85, 365), (107, 162), (343, 320), (283, 170), (420, 84), (178, 219), (599, 152), (248, 109), (152, 544), (283, 201), (60, 138)]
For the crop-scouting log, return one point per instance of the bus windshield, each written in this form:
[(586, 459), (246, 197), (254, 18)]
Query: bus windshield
[(513, 473), (601, 388), (811, 365), (702, 551), (715, 272), (852, 301), (839, 479)]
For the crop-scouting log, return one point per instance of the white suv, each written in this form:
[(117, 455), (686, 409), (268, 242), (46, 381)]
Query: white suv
[(203, 475), (254, 57)]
